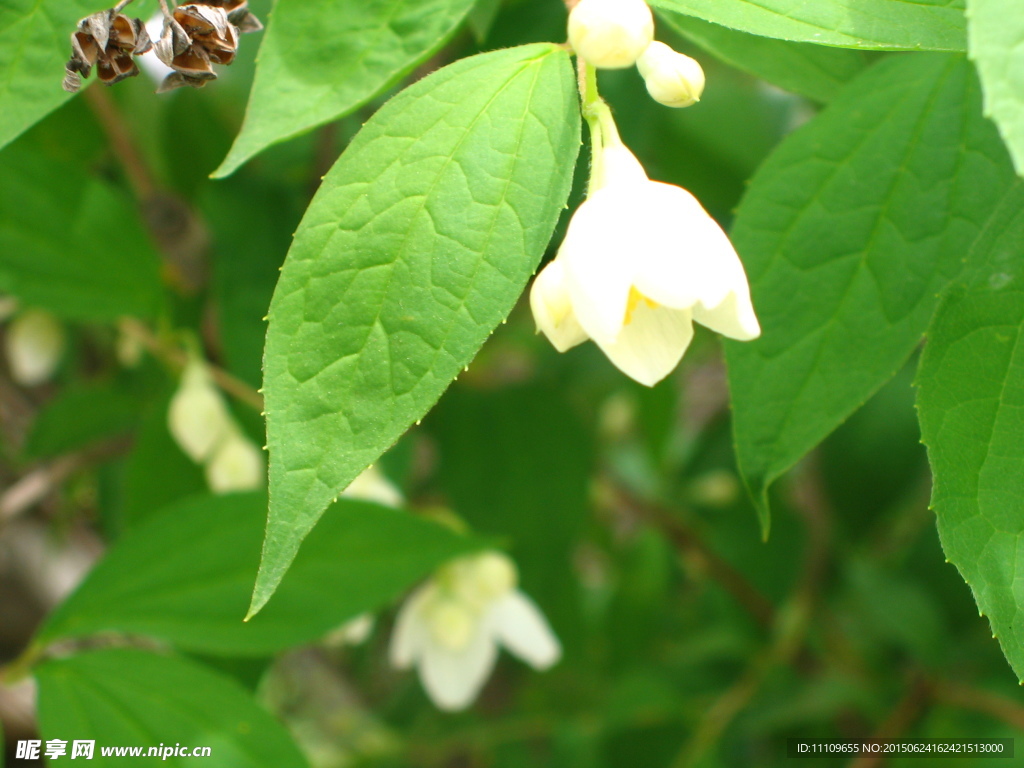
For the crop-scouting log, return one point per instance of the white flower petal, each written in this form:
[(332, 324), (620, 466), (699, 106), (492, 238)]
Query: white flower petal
[(652, 343), (453, 679), (372, 485), (552, 308), (598, 258), (236, 465), (410, 633), (519, 625), (617, 167), (734, 317), (684, 256)]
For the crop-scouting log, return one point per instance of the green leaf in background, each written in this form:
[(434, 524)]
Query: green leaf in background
[(971, 407), (331, 57), (996, 44), (127, 697), (185, 575), (936, 25), (252, 224), (849, 232), (35, 43), (156, 472), (419, 242), (516, 462), (815, 71), (72, 243), (80, 415)]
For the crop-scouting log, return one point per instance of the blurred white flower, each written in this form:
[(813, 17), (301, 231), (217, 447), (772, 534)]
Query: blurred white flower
[(372, 485), (198, 417), (34, 345), (611, 34), (673, 79), (451, 627), (236, 464), (641, 260)]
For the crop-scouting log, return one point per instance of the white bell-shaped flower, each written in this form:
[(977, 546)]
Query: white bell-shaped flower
[(236, 464), (452, 626), (198, 417), (34, 345), (673, 79), (611, 34), (641, 260), (372, 485)]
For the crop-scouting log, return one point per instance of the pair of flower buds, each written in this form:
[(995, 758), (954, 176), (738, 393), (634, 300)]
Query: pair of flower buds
[(202, 426), (641, 260), (616, 34), (195, 37)]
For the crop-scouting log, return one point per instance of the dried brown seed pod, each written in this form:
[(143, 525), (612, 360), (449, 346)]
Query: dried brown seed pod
[(107, 41), (196, 37), (238, 14)]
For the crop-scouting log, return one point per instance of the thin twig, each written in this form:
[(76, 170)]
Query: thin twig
[(43, 480), (143, 184), (177, 230), (179, 358), (120, 6), (907, 712), (992, 704), (791, 625), (693, 548)]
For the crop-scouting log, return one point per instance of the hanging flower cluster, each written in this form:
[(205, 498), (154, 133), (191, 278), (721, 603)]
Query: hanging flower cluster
[(641, 260), (202, 425), (195, 36)]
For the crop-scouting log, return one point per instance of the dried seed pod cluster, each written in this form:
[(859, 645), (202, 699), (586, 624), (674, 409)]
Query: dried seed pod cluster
[(195, 36), (107, 41)]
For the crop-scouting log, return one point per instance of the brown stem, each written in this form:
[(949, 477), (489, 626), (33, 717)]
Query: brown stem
[(143, 184), (121, 6), (693, 548), (178, 357), (992, 704), (907, 712), (40, 482), (177, 231)]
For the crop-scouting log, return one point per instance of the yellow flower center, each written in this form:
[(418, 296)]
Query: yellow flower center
[(635, 297)]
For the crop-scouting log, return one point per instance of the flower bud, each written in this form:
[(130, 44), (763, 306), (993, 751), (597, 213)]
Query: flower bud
[(611, 34), (236, 465), (673, 79), (35, 343), (198, 417), (353, 632)]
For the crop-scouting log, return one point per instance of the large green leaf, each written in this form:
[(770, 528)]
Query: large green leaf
[(418, 244), (996, 43), (971, 407), (130, 698), (849, 232), (331, 57), (185, 575), (35, 42), (72, 243), (936, 25), (815, 71)]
